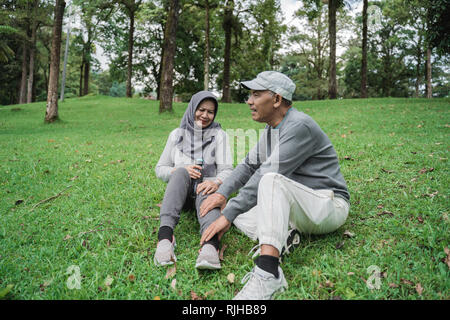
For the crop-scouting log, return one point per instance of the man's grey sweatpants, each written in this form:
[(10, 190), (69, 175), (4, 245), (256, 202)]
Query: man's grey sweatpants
[(177, 197)]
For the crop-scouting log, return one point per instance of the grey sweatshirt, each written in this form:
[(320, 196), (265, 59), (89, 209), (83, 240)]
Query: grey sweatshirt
[(172, 157), (303, 153)]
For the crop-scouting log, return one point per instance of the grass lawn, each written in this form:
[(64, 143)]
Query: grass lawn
[(81, 195)]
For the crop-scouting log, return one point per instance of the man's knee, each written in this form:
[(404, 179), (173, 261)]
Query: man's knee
[(269, 179)]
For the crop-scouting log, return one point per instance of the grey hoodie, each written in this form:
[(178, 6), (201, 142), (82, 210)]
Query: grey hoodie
[(302, 153)]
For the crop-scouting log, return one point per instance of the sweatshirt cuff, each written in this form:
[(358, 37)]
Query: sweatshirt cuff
[(224, 190)]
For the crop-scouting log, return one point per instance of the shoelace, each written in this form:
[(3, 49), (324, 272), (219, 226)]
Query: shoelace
[(257, 252), (254, 284)]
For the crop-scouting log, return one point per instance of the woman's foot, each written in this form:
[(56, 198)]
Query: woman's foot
[(165, 253), (208, 258)]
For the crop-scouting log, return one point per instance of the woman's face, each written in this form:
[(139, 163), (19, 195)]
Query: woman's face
[(204, 115)]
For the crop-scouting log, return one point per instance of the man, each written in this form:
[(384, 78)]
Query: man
[(290, 178)]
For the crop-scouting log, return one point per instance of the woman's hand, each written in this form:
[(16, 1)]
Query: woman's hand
[(207, 187), (193, 171)]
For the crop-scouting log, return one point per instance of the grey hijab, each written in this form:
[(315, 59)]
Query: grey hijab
[(195, 142)]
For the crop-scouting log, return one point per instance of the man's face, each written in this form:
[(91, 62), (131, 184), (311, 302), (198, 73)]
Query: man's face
[(261, 105)]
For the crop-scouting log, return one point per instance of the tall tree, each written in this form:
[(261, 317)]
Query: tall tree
[(332, 82), (131, 7), (169, 48), (364, 51), (51, 113), (227, 27)]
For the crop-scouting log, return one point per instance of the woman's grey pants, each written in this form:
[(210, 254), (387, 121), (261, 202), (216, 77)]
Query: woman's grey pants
[(177, 197)]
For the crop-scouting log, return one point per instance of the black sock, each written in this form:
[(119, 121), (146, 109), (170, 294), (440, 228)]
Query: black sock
[(269, 264), (165, 232), (214, 241)]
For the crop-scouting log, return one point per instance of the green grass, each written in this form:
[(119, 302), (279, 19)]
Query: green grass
[(105, 150)]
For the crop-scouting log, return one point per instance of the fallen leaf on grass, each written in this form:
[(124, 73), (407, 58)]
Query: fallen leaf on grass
[(393, 285), (348, 234), (425, 170), (350, 273), (159, 205), (406, 281), (230, 277), (447, 259), (194, 296), (420, 219), (108, 282), (329, 284), (339, 245), (171, 271), (419, 289), (67, 237), (131, 278), (4, 292), (221, 251), (173, 284), (385, 212)]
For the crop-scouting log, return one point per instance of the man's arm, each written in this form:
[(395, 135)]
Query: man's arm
[(294, 147)]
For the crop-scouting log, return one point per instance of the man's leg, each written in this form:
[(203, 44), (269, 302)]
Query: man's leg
[(281, 201)]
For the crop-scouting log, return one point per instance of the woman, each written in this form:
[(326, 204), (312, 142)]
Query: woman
[(198, 137)]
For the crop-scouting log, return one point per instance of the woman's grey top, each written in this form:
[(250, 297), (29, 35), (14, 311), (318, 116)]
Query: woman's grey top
[(172, 157)]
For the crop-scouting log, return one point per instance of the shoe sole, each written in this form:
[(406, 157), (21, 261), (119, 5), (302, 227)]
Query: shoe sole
[(205, 265)]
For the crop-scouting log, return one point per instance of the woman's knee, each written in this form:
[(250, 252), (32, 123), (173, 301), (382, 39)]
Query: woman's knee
[(180, 172)]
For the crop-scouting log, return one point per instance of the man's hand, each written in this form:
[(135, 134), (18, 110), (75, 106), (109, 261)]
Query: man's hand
[(207, 187), (220, 226), (213, 201)]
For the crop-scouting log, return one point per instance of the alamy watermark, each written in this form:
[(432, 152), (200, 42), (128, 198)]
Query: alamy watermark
[(74, 279)]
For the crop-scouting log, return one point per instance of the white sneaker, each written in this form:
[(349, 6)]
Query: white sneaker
[(261, 285), (165, 253)]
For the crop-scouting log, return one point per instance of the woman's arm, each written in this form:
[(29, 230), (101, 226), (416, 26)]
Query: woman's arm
[(166, 165)]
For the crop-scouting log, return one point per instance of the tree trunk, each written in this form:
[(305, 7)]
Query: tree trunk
[(206, 57), (87, 69), (23, 81), (81, 79), (364, 52), (418, 73), (227, 26), (52, 98), (332, 84), (130, 54), (428, 68), (166, 91), (31, 66)]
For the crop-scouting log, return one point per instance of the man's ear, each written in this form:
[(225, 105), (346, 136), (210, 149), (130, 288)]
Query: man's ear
[(278, 100)]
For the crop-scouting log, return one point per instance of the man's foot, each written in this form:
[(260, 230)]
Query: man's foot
[(164, 254), (261, 285), (208, 258)]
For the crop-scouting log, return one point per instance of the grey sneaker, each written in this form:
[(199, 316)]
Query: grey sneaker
[(164, 254), (261, 285), (208, 258)]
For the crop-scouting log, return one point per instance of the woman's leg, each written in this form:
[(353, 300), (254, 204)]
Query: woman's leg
[(174, 199), (208, 257)]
